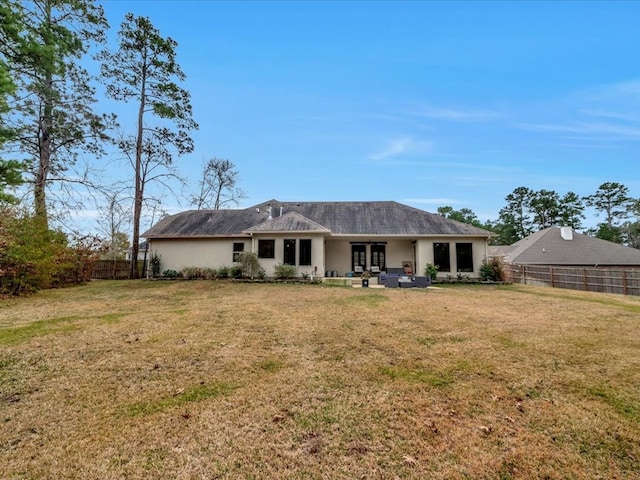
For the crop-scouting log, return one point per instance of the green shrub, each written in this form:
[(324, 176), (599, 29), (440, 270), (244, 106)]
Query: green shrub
[(235, 271), (154, 263), (33, 257), (170, 274), (283, 271), (223, 272), (431, 270), (492, 270)]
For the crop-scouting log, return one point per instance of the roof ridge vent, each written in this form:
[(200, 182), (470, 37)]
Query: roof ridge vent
[(566, 233)]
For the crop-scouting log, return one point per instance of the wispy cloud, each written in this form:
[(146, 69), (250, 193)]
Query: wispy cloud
[(585, 128), (402, 146), (392, 149), (613, 93), (613, 115), (453, 115)]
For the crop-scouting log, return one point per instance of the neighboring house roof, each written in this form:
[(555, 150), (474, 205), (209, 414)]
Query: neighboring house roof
[(142, 246), (336, 218), (548, 247)]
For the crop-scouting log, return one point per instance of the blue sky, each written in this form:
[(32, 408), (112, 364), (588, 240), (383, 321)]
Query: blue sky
[(425, 103)]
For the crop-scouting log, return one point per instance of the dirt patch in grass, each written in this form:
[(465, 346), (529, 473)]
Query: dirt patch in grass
[(203, 379)]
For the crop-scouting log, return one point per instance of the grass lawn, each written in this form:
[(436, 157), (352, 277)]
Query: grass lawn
[(203, 380)]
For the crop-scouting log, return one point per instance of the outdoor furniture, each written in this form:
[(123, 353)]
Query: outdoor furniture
[(421, 282), (394, 270), (391, 281), (403, 281)]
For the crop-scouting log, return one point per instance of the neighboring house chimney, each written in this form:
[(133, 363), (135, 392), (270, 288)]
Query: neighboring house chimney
[(281, 210), (566, 233)]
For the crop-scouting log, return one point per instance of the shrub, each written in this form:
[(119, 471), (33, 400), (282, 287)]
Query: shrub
[(198, 273), (492, 270), (284, 271), (33, 257), (209, 273), (170, 274), (190, 273), (223, 272), (249, 263), (431, 270), (235, 271), (154, 263)]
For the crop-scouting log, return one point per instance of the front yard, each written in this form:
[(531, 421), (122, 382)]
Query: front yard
[(206, 379)]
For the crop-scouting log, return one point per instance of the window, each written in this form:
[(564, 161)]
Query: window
[(441, 257), (464, 257), (238, 248), (289, 256), (266, 248), (305, 252)]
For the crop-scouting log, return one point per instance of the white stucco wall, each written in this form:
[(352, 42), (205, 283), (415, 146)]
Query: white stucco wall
[(176, 254), (424, 254)]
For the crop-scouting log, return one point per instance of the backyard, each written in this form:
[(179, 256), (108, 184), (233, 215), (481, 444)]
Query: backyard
[(215, 379)]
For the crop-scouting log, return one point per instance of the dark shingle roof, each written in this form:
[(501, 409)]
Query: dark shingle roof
[(340, 218), (547, 247), (288, 222)]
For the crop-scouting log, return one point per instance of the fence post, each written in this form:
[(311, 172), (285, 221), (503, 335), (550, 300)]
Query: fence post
[(551, 276), (584, 279), (624, 282)]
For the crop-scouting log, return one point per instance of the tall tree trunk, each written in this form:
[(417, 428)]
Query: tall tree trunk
[(137, 199), (42, 172), (44, 139)]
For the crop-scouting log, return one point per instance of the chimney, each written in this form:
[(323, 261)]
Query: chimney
[(280, 210), (566, 233)]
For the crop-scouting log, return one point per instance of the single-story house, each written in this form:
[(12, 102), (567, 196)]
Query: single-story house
[(321, 238), (563, 246)]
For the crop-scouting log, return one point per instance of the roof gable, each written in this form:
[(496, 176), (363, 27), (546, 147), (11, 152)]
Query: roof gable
[(289, 222)]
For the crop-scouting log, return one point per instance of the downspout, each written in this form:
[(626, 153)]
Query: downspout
[(146, 263), (486, 249)]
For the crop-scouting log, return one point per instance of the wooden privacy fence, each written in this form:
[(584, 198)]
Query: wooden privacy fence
[(113, 270), (624, 281)]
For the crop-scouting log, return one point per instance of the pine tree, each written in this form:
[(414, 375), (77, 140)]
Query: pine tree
[(52, 119), (144, 69)]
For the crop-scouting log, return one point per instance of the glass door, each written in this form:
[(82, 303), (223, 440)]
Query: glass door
[(358, 258), (378, 256)]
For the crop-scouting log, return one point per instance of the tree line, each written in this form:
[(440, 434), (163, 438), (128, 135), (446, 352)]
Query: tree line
[(53, 138), (50, 126), (527, 211)]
